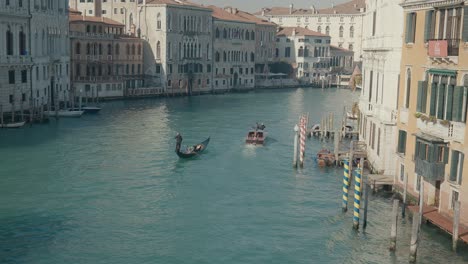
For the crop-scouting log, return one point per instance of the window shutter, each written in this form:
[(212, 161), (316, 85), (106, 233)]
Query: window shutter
[(441, 101), (450, 102), (465, 24), (433, 99), (446, 154), (428, 25), (420, 93), (408, 27), (458, 103), (430, 155), (404, 142), (424, 97), (453, 166), (416, 152), (461, 159)]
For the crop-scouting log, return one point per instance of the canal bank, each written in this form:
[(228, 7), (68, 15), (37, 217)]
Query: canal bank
[(109, 188)]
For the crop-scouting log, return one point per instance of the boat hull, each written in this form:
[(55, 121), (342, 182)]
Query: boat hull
[(13, 125), (71, 114), (189, 153), (255, 138)]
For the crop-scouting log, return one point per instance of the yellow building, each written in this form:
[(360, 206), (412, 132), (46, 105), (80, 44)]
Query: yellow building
[(432, 100)]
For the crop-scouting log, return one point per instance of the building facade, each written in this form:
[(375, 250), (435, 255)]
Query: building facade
[(234, 45), (383, 29), (50, 52), (105, 62), (307, 51), (432, 134), (179, 47), (343, 22), (15, 59)]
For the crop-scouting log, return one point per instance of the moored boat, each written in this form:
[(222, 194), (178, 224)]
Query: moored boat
[(88, 109), (13, 125), (325, 158), (64, 113)]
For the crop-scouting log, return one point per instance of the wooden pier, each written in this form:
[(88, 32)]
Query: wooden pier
[(380, 181)]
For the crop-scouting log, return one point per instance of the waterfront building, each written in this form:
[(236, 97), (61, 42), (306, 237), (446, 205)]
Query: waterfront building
[(15, 58), (341, 65), (234, 50), (382, 38), (307, 51), (432, 132), (122, 11), (106, 62), (179, 45), (343, 22)]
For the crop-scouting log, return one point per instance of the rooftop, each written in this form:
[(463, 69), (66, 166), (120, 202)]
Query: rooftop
[(339, 49), (103, 20), (299, 31), (229, 13), (351, 7), (174, 2)]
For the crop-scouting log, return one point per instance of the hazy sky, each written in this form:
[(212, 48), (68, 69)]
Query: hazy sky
[(255, 5)]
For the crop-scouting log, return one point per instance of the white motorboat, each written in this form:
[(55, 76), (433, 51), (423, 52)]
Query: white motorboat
[(351, 116), (64, 113), (13, 125)]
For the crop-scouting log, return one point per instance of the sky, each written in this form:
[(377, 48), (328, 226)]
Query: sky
[(256, 5)]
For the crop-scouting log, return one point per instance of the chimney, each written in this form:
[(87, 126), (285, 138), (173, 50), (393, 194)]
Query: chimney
[(291, 7), (312, 8), (97, 8), (294, 32), (263, 11)]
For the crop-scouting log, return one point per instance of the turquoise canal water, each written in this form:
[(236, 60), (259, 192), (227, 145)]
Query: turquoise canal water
[(109, 188)]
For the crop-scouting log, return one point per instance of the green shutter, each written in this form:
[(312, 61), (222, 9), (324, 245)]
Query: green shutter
[(416, 152), (428, 25), (441, 101), (453, 166), (433, 99), (461, 160), (458, 103), (430, 155), (420, 93), (408, 27), (448, 114), (424, 96), (465, 24), (402, 142), (446, 154)]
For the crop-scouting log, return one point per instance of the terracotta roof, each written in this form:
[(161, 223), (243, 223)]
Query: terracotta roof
[(222, 14), (103, 20), (73, 11), (174, 2), (254, 18), (338, 48), (351, 7), (288, 31)]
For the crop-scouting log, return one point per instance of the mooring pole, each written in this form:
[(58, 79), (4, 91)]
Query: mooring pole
[(403, 208), (296, 135), (414, 238), (393, 233), (357, 197), (421, 200), (366, 200), (456, 221), (345, 185)]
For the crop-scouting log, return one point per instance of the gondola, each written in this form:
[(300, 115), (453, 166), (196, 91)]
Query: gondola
[(193, 150)]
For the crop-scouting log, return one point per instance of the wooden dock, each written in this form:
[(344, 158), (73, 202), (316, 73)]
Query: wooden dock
[(379, 180), (432, 215)]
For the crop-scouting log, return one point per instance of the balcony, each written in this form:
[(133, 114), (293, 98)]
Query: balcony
[(431, 171), (453, 131), (444, 50), (15, 60)]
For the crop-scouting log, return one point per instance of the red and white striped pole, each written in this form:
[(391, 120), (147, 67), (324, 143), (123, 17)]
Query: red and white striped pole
[(303, 136)]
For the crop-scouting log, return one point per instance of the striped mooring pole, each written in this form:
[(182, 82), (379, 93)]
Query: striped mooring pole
[(345, 185), (357, 197), (302, 141)]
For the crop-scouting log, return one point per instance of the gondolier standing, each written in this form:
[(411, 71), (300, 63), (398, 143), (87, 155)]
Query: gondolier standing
[(179, 138)]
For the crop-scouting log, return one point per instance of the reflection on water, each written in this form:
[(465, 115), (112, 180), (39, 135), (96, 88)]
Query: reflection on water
[(109, 188)]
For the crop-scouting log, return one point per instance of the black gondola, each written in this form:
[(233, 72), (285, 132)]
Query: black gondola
[(193, 150)]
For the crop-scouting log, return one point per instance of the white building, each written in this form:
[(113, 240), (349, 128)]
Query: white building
[(306, 50), (343, 22), (179, 45), (382, 43), (15, 58), (50, 51), (234, 50)]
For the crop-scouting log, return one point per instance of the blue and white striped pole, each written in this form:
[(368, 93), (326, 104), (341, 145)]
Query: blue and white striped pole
[(345, 185), (357, 197)]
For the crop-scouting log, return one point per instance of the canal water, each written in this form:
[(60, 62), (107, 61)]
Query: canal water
[(108, 188)]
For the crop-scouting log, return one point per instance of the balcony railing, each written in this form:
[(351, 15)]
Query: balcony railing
[(440, 48), (431, 171)]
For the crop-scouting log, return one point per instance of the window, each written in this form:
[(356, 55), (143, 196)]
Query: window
[(351, 47), (121, 11), (158, 50), (115, 10), (158, 21), (430, 24), (11, 77), (341, 31), (104, 12), (327, 31), (401, 142), (456, 167), (24, 76), (9, 41), (402, 172), (287, 52), (351, 32), (408, 88), (410, 27), (22, 42), (319, 29)]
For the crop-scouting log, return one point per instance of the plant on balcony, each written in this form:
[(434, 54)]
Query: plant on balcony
[(445, 123), (418, 115), (424, 118), (433, 119)]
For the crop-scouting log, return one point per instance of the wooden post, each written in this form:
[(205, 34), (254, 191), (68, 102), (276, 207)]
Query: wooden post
[(393, 233), (421, 200), (456, 221), (403, 209), (357, 197), (296, 135), (414, 238), (337, 147), (366, 200)]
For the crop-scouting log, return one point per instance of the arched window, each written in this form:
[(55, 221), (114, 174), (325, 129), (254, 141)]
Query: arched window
[(252, 56), (158, 21), (217, 33), (22, 42), (301, 51), (9, 41), (88, 29), (252, 35), (117, 49), (224, 56), (351, 47), (88, 49), (319, 29), (208, 51), (185, 51), (139, 49), (408, 88), (199, 50), (180, 49), (247, 35), (351, 32), (169, 50), (169, 22), (109, 49), (133, 49), (78, 48), (225, 33), (341, 31), (217, 56), (128, 49), (158, 50), (327, 31), (130, 19), (94, 29), (277, 53), (100, 49)]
